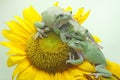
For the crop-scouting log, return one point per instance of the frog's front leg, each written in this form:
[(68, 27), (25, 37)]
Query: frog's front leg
[(74, 61), (40, 26), (101, 71), (65, 37), (56, 30)]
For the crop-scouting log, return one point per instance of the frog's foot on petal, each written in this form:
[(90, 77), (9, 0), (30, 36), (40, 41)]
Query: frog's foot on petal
[(95, 74)]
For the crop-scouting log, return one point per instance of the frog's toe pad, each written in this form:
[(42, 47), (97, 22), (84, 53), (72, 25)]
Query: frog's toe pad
[(68, 61), (37, 35)]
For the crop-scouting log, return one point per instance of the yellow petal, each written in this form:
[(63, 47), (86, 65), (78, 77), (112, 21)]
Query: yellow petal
[(12, 60), (17, 28), (96, 38), (27, 74), (67, 76), (20, 67), (59, 76), (35, 14), (75, 72), (13, 37), (30, 26), (23, 24), (110, 78), (68, 9), (56, 4), (40, 75), (114, 68), (79, 74), (31, 15), (28, 15), (84, 17), (16, 52), (81, 78), (14, 46), (79, 13), (80, 10), (86, 66)]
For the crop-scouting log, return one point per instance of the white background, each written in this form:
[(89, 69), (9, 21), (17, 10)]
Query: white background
[(103, 21)]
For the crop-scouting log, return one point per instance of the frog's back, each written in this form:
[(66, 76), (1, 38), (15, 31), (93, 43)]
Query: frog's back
[(54, 10), (93, 54), (49, 15)]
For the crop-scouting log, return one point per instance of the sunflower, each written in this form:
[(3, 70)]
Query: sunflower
[(45, 59)]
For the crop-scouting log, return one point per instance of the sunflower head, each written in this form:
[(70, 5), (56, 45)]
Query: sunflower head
[(48, 54), (45, 59)]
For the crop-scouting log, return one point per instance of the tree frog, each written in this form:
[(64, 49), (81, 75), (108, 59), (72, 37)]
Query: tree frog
[(74, 30), (89, 51), (52, 19)]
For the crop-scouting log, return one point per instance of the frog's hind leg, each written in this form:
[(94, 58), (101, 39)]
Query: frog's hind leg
[(101, 71)]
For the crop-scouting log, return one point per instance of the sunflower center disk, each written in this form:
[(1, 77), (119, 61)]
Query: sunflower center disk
[(48, 54)]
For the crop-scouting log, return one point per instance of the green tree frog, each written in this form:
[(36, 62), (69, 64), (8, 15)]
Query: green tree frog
[(87, 50), (52, 19)]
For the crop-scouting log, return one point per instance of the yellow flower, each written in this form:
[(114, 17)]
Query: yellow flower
[(41, 59)]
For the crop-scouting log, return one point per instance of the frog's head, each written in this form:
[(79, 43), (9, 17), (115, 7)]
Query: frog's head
[(75, 44), (55, 16)]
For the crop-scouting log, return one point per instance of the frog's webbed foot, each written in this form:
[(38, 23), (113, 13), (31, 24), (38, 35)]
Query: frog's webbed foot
[(41, 33), (95, 74), (41, 29), (101, 71)]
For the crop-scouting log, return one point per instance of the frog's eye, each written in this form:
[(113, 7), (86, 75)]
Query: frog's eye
[(61, 15)]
